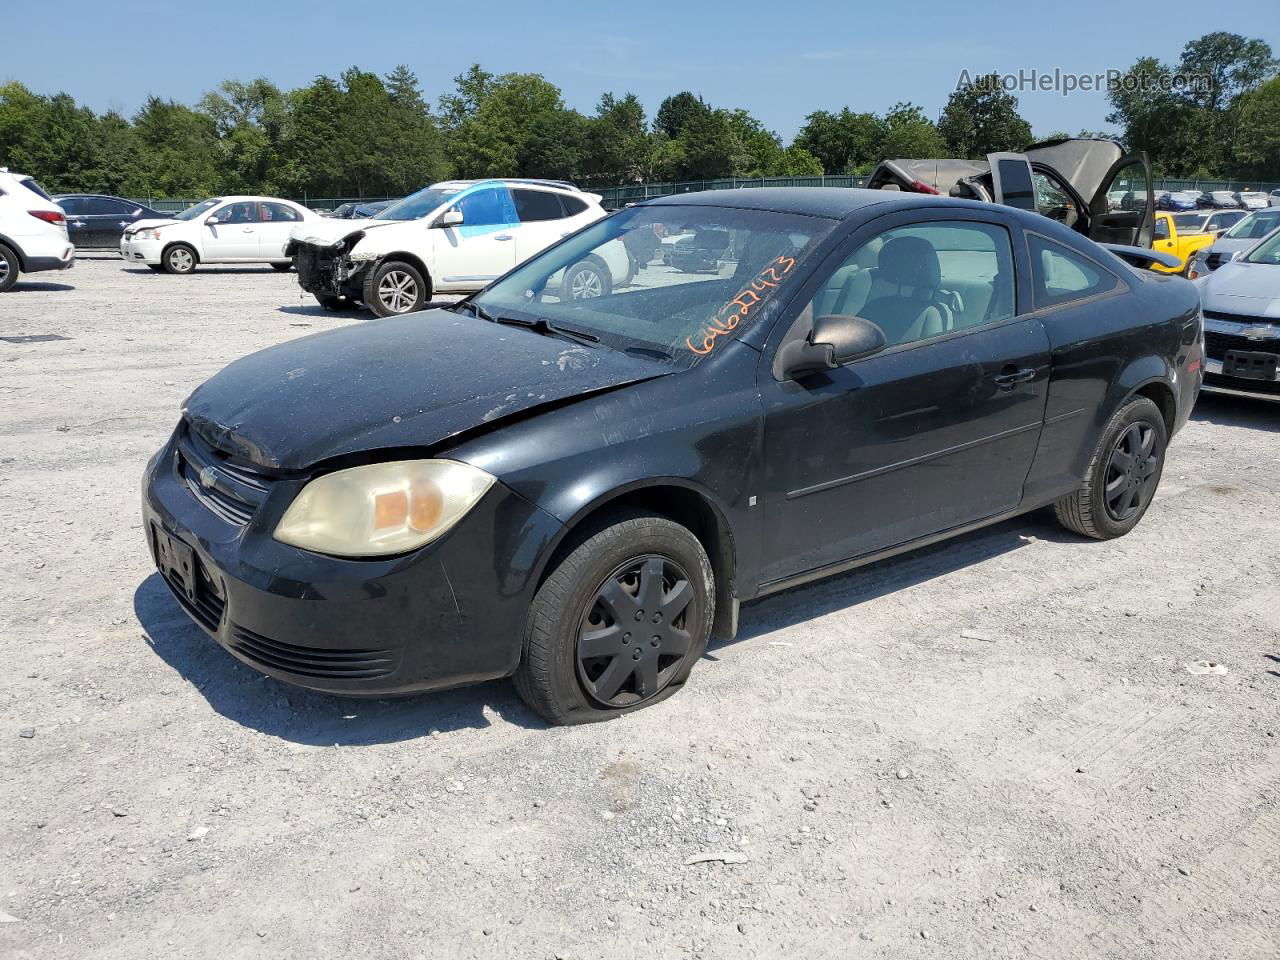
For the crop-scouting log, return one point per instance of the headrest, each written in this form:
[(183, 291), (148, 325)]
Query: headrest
[(910, 262)]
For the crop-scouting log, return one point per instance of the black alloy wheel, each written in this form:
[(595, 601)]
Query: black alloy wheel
[(634, 640), (1132, 471)]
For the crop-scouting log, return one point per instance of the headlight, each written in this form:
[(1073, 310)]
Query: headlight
[(382, 508), (148, 234)]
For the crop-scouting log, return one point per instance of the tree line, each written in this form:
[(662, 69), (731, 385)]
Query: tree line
[(361, 134)]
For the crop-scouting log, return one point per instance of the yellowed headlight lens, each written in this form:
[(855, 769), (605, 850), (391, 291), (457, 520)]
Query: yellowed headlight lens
[(382, 508)]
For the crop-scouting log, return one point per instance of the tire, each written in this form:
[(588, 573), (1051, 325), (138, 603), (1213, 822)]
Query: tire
[(593, 593), (587, 280), (179, 259), (9, 268), (282, 267), (394, 287), (333, 303), (1123, 475)]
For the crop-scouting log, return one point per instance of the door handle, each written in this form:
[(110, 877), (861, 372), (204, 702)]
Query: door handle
[(1011, 376), (505, 236), (247, 230)]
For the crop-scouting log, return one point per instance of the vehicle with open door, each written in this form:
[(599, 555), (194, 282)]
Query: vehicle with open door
[(1092, 186)]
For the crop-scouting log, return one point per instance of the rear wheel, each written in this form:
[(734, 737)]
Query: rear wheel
[(394, 287), (179, 258), (1123, 475), (8, 268), (619, 623)]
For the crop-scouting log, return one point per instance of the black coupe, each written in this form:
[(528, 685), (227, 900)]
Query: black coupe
[(580, 493)]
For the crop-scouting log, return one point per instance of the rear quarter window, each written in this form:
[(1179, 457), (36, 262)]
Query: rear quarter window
[(1060, 275)]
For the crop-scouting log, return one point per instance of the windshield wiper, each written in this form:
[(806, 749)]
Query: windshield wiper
[(544, 326), (539, 325), (475, 308), (649, 352)]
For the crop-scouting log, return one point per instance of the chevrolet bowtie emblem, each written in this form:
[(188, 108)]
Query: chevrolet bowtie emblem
[(207, 477), (1261, 332)]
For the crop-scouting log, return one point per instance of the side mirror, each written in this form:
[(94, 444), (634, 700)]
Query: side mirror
[(833, 342), (211, 222), (450, 218)]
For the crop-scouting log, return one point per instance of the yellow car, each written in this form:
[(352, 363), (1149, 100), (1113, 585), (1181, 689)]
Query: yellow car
[(1183, 244)]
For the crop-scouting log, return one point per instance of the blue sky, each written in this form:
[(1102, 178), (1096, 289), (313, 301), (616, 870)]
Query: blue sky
[(778, 60)]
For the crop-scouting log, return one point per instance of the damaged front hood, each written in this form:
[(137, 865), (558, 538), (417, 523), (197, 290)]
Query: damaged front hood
[(403, 382), (328, 233)]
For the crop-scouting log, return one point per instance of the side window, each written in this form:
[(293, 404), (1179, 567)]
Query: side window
[(573, 206), (924, 280), (278, 212), (1128, 189), (102, 207), (1060, 275), (533, 206), (1162, 229), (242, 211), (73, 206), (486, 207)]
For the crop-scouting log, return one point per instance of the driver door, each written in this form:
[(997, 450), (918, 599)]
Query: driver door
[(482, 247), (233, 235), (937, 430)]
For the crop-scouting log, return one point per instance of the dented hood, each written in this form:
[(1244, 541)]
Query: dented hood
[(407, 381), (323, 232)]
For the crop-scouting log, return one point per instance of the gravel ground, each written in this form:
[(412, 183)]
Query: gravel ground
[(990, 748)]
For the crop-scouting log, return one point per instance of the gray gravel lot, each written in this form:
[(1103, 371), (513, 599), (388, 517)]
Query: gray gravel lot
[(992, 748)]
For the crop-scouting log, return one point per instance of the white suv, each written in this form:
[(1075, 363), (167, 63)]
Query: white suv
[(218, 230), (33, 230), (452, 237)]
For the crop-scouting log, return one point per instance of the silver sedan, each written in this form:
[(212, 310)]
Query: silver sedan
[(1241, 303)]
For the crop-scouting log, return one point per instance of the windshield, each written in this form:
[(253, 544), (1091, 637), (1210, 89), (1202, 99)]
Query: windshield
[(1255, 226), (1190, 222), (204, 206), (1268, 251), (416, 205), (674, 283)]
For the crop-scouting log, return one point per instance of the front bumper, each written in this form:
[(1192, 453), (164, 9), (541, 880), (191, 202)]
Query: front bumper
[(140, 251), (1223, 335), (328, 271), (447, 615)]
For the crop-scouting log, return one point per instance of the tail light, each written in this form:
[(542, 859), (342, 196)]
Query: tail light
[(49, 216), (919, 186)]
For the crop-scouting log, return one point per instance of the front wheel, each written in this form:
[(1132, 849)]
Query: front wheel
[(393, 288), (179, 259), (619, 623), (587, 281), (1123, 475)]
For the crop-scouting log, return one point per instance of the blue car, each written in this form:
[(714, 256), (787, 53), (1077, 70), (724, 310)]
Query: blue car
[(1177, 200)]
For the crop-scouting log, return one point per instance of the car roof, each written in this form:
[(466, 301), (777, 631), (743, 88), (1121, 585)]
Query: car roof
[(838, 203)]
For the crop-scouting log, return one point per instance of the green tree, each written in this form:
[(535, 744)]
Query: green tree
[(676, 111), (910, 134), (1233, 65), (418, 157), (841, 141), (178, 150), (619, 148), (1258, 137), (981, 118)]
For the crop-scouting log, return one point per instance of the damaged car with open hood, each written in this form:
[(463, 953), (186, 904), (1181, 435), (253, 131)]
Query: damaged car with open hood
[(579, 493), (1090, 185)]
